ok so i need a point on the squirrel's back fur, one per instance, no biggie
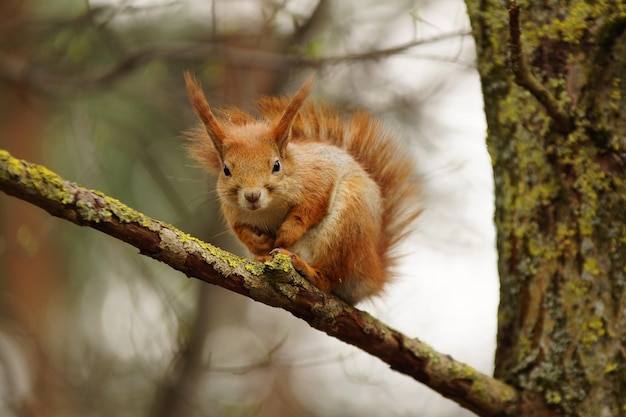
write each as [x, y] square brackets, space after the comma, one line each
[314, 130]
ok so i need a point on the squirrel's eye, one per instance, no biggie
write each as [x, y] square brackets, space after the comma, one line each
[227, 171]
[276, 167]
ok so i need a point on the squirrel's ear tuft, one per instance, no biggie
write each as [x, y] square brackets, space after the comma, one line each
[282, 129]
[200, 105]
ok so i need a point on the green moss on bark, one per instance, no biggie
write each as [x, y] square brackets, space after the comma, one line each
[560, 201]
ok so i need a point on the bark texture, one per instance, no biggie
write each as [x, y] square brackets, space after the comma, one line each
[558, 154]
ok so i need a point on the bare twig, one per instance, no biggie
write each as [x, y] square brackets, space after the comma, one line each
[274, 283]
[47, 82]
[525, 78]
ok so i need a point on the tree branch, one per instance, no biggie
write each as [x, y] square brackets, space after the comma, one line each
[45, 81]
[525, 78]
[274, 283]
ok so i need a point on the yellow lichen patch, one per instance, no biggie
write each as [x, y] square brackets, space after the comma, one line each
[233, 260]
[591, 265]
[88, 212]
[569, 28]
[461, 370]
[13, 166]
[596, 324]
[615, 96]
[579, 287]
[126, 214]
[565, 239]
[227, 257]
[497, 20]
[553, 397]
[525, 349]
[255, 268]
[279, 262]
[36, 179]
[593, 330]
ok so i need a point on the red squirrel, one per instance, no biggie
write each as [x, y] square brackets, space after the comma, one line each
[336, 196]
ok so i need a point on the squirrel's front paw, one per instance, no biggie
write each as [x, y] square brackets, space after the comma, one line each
[289, 233]
[281, 251]
[258, 242]
[276, 251]
[262, 243]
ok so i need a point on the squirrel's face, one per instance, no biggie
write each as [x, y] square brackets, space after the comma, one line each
[252, 172]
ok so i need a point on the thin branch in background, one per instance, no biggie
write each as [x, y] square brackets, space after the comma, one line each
[303, 30]
[46, 82]
[378, 54]
[525, 78]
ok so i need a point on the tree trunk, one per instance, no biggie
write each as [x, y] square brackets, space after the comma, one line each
[556, 112]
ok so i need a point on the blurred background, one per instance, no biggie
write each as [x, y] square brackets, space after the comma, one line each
[94, 91]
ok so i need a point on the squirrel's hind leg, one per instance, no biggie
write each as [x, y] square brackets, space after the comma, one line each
[313, 275]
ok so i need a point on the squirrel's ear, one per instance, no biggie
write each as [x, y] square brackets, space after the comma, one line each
[281, 130]
[200, 105]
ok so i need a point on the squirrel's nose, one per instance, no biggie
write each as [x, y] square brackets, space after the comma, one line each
[252, 196]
